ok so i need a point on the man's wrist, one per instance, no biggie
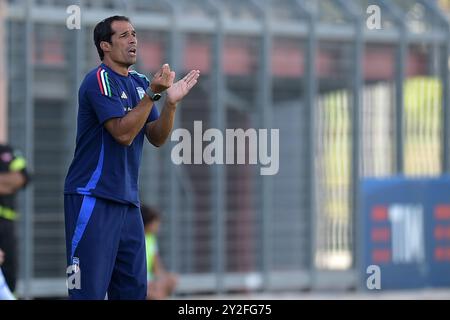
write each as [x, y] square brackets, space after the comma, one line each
[154, 88]
[170, 105]
[154, 96]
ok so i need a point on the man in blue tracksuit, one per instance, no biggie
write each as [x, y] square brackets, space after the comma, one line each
[104, 232]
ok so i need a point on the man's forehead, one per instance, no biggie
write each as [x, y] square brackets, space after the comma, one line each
[121, 26]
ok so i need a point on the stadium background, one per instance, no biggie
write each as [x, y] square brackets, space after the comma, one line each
[350, 103]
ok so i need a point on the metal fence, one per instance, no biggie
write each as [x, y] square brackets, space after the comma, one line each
[350, 102]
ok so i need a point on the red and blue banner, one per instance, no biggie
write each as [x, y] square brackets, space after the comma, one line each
[405, 226]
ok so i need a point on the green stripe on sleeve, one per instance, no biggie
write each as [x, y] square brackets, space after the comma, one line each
[107, 83]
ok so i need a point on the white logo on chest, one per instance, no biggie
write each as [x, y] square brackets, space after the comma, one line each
[141, 92]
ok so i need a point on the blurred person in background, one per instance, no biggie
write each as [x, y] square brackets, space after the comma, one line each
[13, 177]
[5, 292]
[103, 224]
[161, 284]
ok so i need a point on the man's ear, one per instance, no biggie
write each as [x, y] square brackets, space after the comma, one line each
[106, 46]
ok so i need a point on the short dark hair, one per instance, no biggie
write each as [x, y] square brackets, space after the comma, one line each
[149, 215]
[104, 32]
